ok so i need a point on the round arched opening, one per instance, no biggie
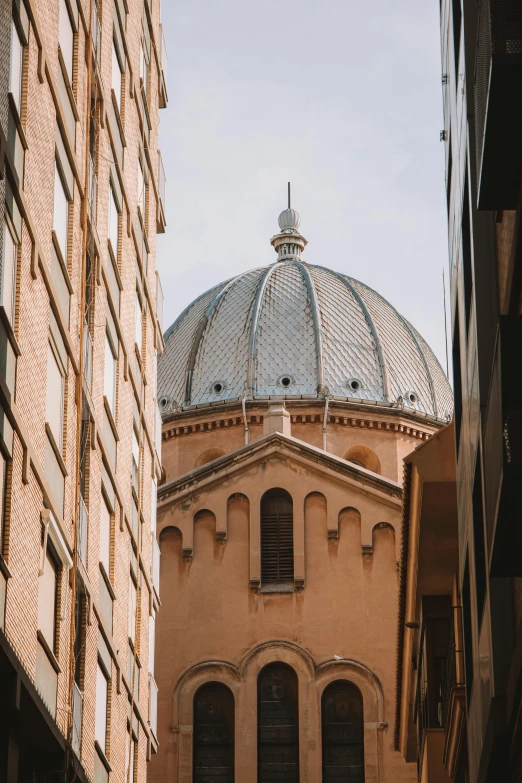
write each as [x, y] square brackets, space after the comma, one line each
[364, 457]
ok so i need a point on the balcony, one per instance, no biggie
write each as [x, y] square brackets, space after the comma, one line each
[161, 220]
[82, 534]
[498, 103]
[163, 96]
[77, 715]
[503, 453]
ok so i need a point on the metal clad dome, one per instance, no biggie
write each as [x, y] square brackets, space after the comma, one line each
[297, 330]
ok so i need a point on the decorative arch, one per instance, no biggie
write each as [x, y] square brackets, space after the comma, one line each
[363, 456]
[208, 456]
[364, 678]
[169, 535]
[192, 679]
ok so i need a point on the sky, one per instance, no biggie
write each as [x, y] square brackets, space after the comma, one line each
[341, 98]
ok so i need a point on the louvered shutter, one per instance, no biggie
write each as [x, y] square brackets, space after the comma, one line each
[277, 538]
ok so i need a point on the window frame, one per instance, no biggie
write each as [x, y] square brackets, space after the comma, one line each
[114, 223]
[63, 226]
[101, 673]
[9, 239]
[49, 557]
[19, 50]
[117, 86]
[110, 385]
[53, 351]
[66, 45]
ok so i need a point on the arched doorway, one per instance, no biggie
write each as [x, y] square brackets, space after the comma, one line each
[342, 733]
[213, 760]
[277, 725]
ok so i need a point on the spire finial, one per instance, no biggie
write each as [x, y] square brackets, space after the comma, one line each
[289, 243]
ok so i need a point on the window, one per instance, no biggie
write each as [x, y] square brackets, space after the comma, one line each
[15, 74]
[102, 695]
[9, 266]
[342, 733]
[138, 327]
[277, 724]
[66, 39]
[47, 595]
[80, 639]
[130, 757]
[154, 505]
[214, 734]
[109, 376]
[152, 641]
[55, 396]
[141, 188]
[3, 490]
[105, 537]
[113, 223]
[135, 461]
[132, 609]
[61, 213]
[116, 75]
[277, 538]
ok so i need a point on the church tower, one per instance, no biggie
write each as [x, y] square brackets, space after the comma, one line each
[289, 395]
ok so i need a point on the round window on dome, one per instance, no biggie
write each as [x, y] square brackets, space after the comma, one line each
[164, 403]
[285, 381]
[411, 398]
[218, 387]
[354, 384]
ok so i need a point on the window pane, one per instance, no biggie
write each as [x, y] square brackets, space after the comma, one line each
[152, 642]
[61, 213]
[109, 381]
[141, 188]
[138, 325]
[15, 76]
[3, 475]
[116, 76]
[9, 273]
[154, 506]
[113, 223]
[100, 731]
[66, 39]
[47, 601]
[105, 536]
[132, 608]
[54, 407]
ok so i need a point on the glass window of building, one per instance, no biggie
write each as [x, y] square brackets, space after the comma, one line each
[113, 223]
[9, 266]
[109, 376]
[116, 75]
[66, 39]
[138, 331]
[47, 594]
[61, 214]
[102, 694]
[55, 396]
[15, 74]
[105, 537]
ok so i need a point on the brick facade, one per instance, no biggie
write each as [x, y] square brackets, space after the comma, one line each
[55, 491]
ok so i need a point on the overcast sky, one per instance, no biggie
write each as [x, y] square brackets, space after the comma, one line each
[343, 99]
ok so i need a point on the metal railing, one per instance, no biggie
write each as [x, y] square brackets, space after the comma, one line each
[83, 525]
[77, 715]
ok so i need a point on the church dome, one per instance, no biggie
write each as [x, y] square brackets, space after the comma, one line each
[295, 330]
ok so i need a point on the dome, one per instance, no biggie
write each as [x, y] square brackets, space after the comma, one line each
[298, 331]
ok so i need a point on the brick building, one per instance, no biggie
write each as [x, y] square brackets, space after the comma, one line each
[82, 198]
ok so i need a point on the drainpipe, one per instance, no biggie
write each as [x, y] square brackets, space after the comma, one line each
[243, 403]
[325, 421]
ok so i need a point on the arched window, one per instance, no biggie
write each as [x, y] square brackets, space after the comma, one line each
[277, 725]
[342, 729]
[213, 734]
[277, 537]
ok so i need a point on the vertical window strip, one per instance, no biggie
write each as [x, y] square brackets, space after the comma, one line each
[5, 521]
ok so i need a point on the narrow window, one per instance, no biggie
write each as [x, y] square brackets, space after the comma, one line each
[55, 397]
[109, 378]
[105, 537]
[141, 189]
[102, 695]
[277, 538]
[132, 609]
[479, 546]
[277, 725]
[113, 224]
[131, 746]
[342, 733]
[152, 641]
[135, 461]
[116, 75]
[66, 39]
[15, 74]
[61, 214]
[138, 327]
[3, 492]
[47, 599]
[9, 273]
[213, 734]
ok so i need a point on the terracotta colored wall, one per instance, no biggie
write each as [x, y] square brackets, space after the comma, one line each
[214, 626]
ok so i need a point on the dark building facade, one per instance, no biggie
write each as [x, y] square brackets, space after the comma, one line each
[482, 96]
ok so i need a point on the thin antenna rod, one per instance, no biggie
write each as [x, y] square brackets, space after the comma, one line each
[445, 323]
[289, 204]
